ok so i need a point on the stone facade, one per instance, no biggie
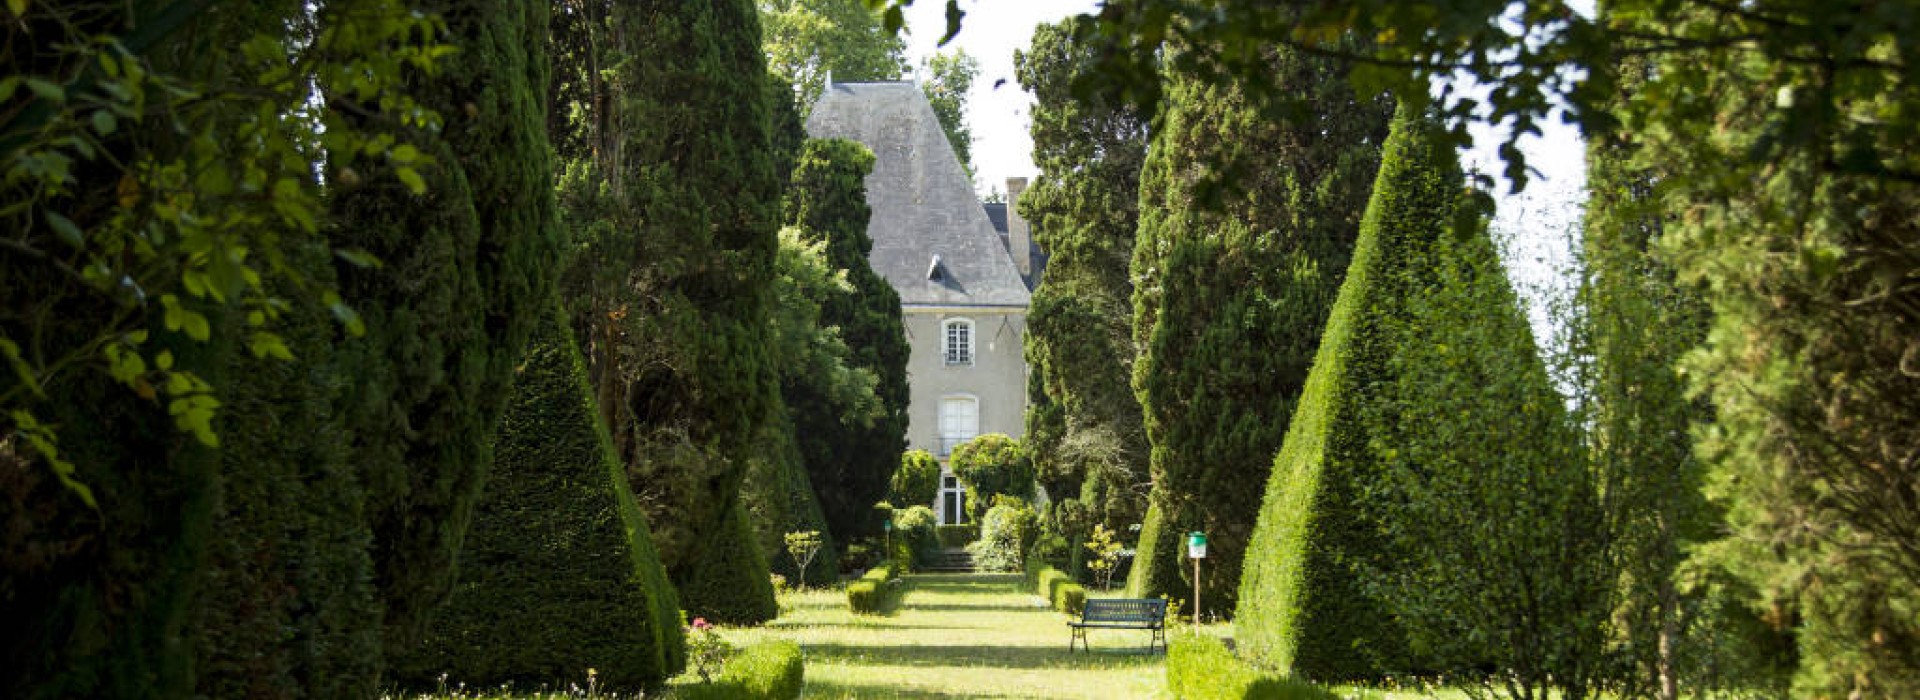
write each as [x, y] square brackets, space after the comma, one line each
[963, 296]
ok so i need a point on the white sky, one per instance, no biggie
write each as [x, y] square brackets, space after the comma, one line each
[1538, 224]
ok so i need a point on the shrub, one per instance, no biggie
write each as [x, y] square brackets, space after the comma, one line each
[1069, 598]
[952, 536]
[917, 482]
[558, 571]
[1004, 534]
[1199, 667]
[914, 527]
[731, 582]
[871, 594]
[992, 465]
[770, 670]
[780, 499]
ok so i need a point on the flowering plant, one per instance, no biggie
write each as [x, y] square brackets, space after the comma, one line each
[705, 648]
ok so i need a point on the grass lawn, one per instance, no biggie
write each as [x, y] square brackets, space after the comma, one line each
[958, 636]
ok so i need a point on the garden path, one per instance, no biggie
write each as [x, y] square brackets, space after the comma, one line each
[958, 636]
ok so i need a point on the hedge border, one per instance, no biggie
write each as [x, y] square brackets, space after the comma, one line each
[770, 670]
[874, 592]
[1200, 667]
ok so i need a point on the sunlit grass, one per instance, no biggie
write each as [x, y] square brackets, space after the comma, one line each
[958, 636]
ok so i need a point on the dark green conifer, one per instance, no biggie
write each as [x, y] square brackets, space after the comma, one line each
[1249, 206]
[850, 458]
[559, 573]
[1084, 430]
[465, 268]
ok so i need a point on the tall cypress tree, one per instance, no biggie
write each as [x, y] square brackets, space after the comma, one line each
[1249, 206]
[465, 266]
[850, 458]
[673, 197]
[1084, 427]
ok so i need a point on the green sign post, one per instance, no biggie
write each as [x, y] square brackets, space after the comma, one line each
[1197, 550]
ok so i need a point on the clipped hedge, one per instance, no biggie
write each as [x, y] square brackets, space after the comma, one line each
[731, 583]
[1199, 667]
[1058, 588]
[1425, 482]
[954, 536]
[770, 670]
[559, 572]
[871, 594]
[1005, 533]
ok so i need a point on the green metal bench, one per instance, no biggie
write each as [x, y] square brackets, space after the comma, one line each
[1121, 613]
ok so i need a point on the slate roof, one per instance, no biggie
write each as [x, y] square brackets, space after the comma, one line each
[923, 204]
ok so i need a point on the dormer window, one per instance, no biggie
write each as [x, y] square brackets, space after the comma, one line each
[959, 338]
[936, 271]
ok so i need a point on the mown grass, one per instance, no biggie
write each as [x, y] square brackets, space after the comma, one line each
[958, 636]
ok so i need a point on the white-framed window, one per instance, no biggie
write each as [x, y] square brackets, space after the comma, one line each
[959, 422]
[959, 341]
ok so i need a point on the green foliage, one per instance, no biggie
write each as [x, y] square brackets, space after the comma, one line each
[466, 272]
[213, 274]
[805, 40]
[851, 447]
[1058, 589]
[917, 481]
[671, 194]
[730, 582]
[992, 465]
[1083, 422]
[803, 547]
[1106, 555]
[1248, 214]
[1800, 220]
[1430, 480]
[779, 499]
[1680, 628]
[559, 571]
[873, 593]
[915, 527]
[769, 670]
[947, 80]
[958, 535]
[1006, 533]
[1199, 667]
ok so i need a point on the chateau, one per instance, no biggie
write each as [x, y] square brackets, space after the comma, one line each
[964, 271]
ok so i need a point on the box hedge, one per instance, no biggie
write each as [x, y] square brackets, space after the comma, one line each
[770, 670]
[1058, 588]
[872, 593]
[730, 583]
[957, 536]
[1200, 667]
[559, 572]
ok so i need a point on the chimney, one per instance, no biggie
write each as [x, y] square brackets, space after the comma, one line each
[1019, 236]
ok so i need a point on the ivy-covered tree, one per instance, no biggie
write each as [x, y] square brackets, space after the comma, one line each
[1248, 213]
[1084, 429]
[948, 80]
[1431, 510]
[808, 40]
[850, 449]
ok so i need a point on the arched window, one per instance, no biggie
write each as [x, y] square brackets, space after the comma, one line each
[959, 340]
